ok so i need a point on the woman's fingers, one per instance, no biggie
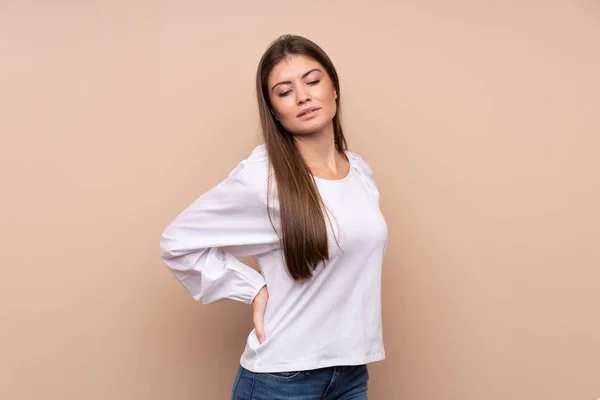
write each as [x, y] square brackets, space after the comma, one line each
[259, 306]
[260, 331]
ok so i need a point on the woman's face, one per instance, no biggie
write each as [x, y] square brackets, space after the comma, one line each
[302, 95]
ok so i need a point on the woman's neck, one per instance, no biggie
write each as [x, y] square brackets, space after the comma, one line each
[321, 154]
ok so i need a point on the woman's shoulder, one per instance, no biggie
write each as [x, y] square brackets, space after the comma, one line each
[362, 166]
[257, 161]
[358, 162]
[253, 169]
[258, 154]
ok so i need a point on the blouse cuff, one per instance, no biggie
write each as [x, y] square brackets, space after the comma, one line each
[251, 281]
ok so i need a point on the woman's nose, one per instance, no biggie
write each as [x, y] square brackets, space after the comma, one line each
[302, 96]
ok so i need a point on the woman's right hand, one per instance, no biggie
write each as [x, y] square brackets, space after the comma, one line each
[259, 306]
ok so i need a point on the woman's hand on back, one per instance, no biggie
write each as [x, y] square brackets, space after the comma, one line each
[259, 306]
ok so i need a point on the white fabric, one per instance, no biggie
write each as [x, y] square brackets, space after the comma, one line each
[333, 319]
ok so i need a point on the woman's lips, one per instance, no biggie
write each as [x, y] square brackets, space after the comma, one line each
[308, 112]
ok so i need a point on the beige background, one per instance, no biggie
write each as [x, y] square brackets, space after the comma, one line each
[480, 120]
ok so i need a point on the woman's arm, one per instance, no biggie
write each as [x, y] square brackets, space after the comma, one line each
[202, 245]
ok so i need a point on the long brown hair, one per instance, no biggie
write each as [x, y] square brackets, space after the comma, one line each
[302, 217]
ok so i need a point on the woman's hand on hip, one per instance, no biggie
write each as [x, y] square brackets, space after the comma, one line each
[259, 306]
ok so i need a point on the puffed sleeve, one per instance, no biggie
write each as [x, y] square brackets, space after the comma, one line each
[202, 245]
[358, 162]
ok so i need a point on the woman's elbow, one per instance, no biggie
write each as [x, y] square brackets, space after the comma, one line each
[168, 246]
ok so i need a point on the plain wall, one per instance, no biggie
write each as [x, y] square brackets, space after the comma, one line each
[480, 121]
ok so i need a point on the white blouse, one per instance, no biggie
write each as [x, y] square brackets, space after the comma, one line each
[332, 319]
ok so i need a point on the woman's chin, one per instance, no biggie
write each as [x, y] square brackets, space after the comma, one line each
[312, 127]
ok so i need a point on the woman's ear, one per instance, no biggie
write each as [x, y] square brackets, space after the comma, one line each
[335, 94]
[274, 115]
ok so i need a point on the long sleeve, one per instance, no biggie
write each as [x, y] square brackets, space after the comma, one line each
[202, 245]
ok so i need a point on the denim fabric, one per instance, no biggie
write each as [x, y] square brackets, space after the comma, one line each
[333, 383]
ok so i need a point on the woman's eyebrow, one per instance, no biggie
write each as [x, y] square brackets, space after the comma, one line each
[289, 82]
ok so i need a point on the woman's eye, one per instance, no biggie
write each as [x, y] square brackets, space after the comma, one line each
[285, 93]
[314, 82]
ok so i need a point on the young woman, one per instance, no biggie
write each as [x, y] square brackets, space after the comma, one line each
[308, 209]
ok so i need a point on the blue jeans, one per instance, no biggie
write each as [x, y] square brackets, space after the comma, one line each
[333, 383]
